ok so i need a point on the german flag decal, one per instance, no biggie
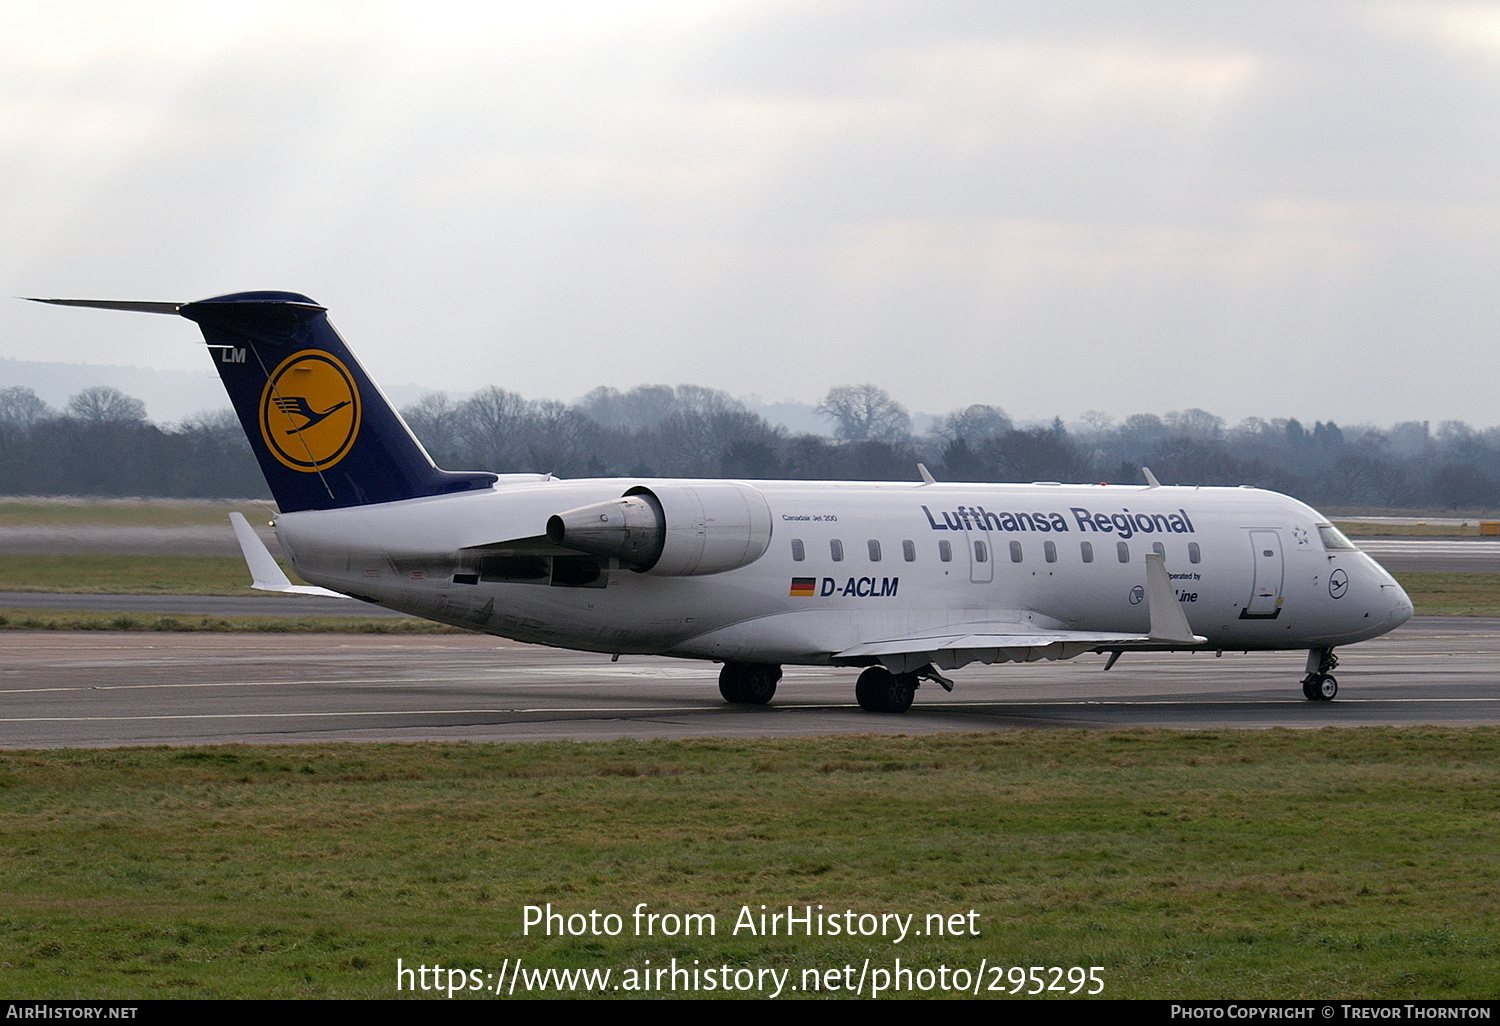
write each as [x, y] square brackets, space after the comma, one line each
[804, 587]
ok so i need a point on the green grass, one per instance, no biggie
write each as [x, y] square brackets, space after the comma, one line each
[1315, 864]
[65, 512]
[114, 574]
[1452, 594]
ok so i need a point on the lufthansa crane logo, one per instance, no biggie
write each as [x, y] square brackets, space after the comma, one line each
[1338, 583]
[309, 411]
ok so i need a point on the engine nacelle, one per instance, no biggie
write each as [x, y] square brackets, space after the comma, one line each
[676, 530]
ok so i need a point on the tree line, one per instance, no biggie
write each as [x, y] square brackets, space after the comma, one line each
[102, 444]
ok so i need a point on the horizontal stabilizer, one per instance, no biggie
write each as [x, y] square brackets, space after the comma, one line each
[132, 306]
[265, 574]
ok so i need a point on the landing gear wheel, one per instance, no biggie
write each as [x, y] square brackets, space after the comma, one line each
[748, 683]
[1327, 688]
[1320, 687]
[880, 690]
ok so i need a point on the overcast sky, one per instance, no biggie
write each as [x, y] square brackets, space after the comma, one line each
[1271, 209]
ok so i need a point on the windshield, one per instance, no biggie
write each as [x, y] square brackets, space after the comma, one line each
[1333, 538]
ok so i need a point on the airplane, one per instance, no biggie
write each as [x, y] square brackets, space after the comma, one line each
[901, 580]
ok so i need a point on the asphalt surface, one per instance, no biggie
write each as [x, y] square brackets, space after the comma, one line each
[90, 689]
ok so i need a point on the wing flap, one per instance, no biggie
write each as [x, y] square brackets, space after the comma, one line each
[990, 637]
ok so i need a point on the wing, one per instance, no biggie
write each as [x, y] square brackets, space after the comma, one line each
[954, 645]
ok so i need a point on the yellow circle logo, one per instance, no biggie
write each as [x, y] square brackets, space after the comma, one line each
[309, 411]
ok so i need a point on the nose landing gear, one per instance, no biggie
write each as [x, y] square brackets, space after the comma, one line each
[1320, 685]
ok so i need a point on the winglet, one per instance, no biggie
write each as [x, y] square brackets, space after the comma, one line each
[1151, 481]
[265, 574]
[927, 477]
[1168, 621]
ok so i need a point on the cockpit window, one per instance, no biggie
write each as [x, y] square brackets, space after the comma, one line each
[1333, 538]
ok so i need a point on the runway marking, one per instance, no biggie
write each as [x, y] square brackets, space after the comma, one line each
[655, 710]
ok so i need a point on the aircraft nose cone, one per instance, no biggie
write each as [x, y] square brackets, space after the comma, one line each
[1401, 608]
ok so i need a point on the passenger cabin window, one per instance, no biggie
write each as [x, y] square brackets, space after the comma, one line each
[1195, 554]
[1015, 552]
[909, 551]
[799, 552]
[874, 551]
[1123, 550]
[1087, 551]
[836, 550]
[981, 553]
[1049, 551]
[945, 551]
[1159, 549]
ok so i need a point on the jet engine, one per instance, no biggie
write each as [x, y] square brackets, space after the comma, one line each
[672, 529]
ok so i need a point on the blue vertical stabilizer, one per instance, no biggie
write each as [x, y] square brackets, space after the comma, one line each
[325, 436]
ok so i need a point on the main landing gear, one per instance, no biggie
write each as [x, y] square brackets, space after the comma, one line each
[1319, 685]
[748, 683]
[880, 690]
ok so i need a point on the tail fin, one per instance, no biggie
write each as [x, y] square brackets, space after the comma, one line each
[324, 434]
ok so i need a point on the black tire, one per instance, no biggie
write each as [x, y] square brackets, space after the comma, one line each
[903, 690]
[871, 688]
[879, 690]
[1327, 688]
[730, 678]
[758, 683]
[1320, 687]
[748, 683]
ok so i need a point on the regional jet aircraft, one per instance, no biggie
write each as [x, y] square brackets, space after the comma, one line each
[903, 580]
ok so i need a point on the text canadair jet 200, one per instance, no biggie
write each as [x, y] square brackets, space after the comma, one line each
[903, 579]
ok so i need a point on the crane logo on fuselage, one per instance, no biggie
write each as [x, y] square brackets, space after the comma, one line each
[310, 411]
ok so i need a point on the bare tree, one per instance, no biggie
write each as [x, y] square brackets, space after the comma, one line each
[973, 424]
[21, 407]
[863, 413]
[436, 421]
[102, 404]
[493, 422]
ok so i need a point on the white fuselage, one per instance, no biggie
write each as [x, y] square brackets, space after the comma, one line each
[855, 563]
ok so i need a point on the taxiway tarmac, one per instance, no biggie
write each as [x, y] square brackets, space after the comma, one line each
[90, 689]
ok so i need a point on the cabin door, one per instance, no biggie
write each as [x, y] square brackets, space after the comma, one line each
[1265, 592]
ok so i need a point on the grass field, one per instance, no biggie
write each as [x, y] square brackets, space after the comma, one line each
[115, 574]
[1348, 863]
[64, 512]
